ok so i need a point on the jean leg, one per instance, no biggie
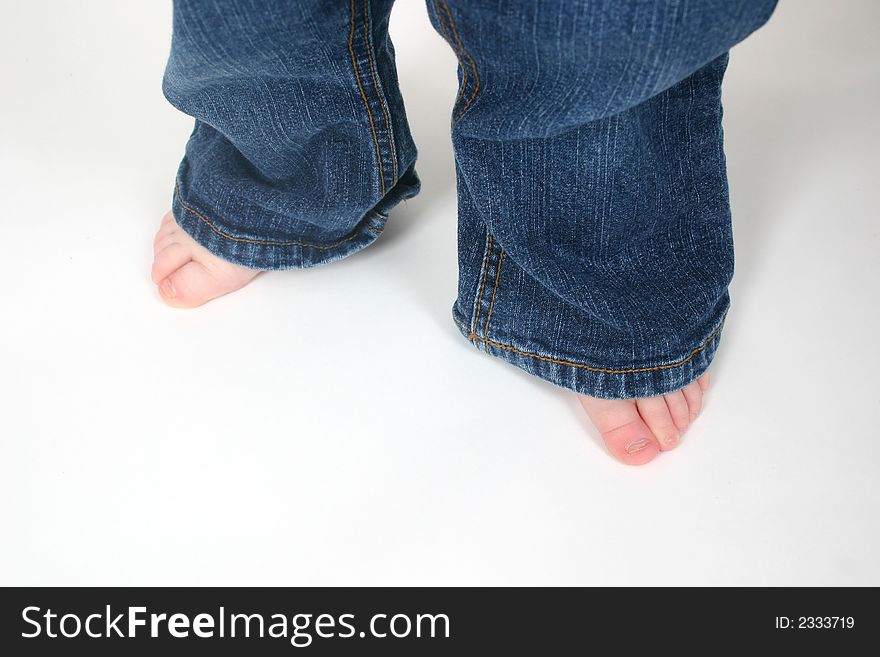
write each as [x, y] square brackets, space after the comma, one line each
[300, 146]
[595, 243]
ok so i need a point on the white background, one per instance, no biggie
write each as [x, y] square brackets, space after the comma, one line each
[331, 427]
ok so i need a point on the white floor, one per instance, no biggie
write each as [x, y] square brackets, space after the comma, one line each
[331, 427]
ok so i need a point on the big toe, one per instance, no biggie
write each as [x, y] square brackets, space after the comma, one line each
[191, 285]
[187, 274]
[626, 435]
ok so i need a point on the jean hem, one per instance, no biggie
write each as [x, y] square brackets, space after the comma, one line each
[270, 255]
[643, 380]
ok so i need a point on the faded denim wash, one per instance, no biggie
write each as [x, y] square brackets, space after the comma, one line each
[595, 242]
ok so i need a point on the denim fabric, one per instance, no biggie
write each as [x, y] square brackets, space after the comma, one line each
[300, 146]
[595, 241]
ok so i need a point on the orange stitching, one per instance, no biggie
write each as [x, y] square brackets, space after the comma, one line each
[448, 38]
[213, 227]
[470, 59]
[378, 95]
[364, 98]
[602, 370]
[492, 302]
[483, 286]
[378, 231]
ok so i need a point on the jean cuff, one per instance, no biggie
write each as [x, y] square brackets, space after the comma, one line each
[586, 377]
[265, 253]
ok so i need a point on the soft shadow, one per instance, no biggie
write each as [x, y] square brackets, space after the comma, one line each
[795, 92]
[798, 94]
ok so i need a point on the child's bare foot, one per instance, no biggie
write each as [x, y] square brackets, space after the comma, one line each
[187, 274]
[636, 430]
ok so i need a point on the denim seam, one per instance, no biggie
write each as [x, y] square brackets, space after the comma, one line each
[364, 98]
[478, 302]
[464, 68]
[379, 95]
[248, 240]
[494, 290]
[635, 370]
[470, 59]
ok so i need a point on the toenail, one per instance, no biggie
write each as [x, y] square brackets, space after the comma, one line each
[167, 289]
[636, 446]
[670, 440]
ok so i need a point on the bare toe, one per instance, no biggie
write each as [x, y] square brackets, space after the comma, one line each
[704, 381]
[693, 393]
[188, 286]
[636, 430]
[172, 257]
[187, 274]
[626, 436]
[678, 409]
[655, 413]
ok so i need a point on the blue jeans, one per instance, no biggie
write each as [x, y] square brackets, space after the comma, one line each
[595, 245]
